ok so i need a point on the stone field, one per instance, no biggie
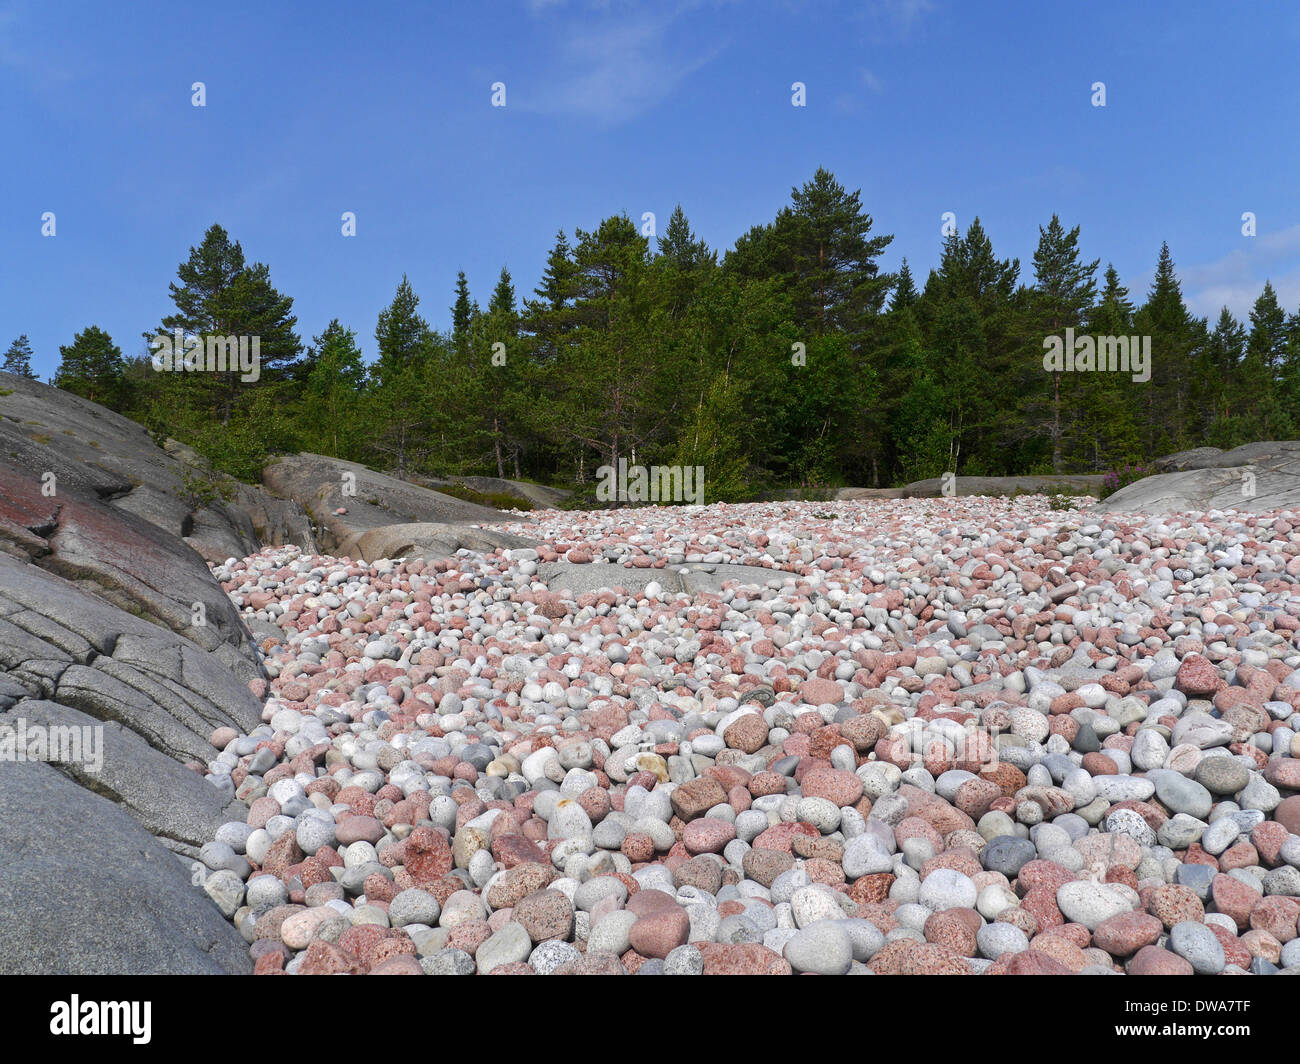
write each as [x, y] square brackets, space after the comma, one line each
[956, 735]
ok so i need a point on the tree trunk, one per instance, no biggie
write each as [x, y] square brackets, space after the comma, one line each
[1056, 423]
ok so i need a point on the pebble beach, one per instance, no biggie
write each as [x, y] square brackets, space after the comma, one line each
[967, 736]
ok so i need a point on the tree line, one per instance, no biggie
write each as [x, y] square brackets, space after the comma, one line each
[793, 359]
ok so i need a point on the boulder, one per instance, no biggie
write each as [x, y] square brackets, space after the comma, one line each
[117, 643]
[117, 557]
[1255, 477]
[693, 578]
[1179, 460]
[425, 540]
[91, 449]
[541, 496]
[86, 890]
[60, 643]
[369, 500]
[1065, 484]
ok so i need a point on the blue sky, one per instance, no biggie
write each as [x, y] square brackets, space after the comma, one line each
[927, 106]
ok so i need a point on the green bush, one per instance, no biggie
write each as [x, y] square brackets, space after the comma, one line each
[1123, 477]
[498, 500]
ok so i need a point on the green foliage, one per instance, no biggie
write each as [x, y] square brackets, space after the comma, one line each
[1123, 477]
[197, 489]
[91, 367]
[794, 359]
[332, 397]
[500, 500]
[18, 359]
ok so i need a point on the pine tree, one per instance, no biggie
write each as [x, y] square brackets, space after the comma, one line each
[1173, 360]
[1225, 352]
[680, 247]
[462, 311]
[1112, 403]
[401, 395]
[973, 310]
[221, 296]
[91, 366]
[821, 246]
[905, 293]
[335, 377]
[1259, 404]
[18, 359]
[1064, 294]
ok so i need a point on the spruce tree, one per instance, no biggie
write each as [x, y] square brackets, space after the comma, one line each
[1288, 389]
[609, 393]
[18, 359]
[1065, 288]
[402, 396]
[680, 246]
[501, 372]
[1112, 408]
[91, 366]
[905, 293]
[503, 295]
[1225, 353]
[462, 311]
[973, 309]
[1173, 334]
[335, 377]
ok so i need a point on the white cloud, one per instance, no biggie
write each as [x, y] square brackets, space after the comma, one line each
[904, 13]
[1236, 279]
[894, 19]
[28, 54]
[612, 68]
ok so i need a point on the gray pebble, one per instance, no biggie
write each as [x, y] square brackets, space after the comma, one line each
[509, 945]
[684, 960]
[995, 939]
[824, 948]
[413, 906]
[448, 962]
[550, 955]
[1197, 945]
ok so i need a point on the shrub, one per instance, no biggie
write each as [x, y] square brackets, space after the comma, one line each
[498, 500]
[1122, 478]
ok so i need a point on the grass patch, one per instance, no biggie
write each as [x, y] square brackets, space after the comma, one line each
[497, 500]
